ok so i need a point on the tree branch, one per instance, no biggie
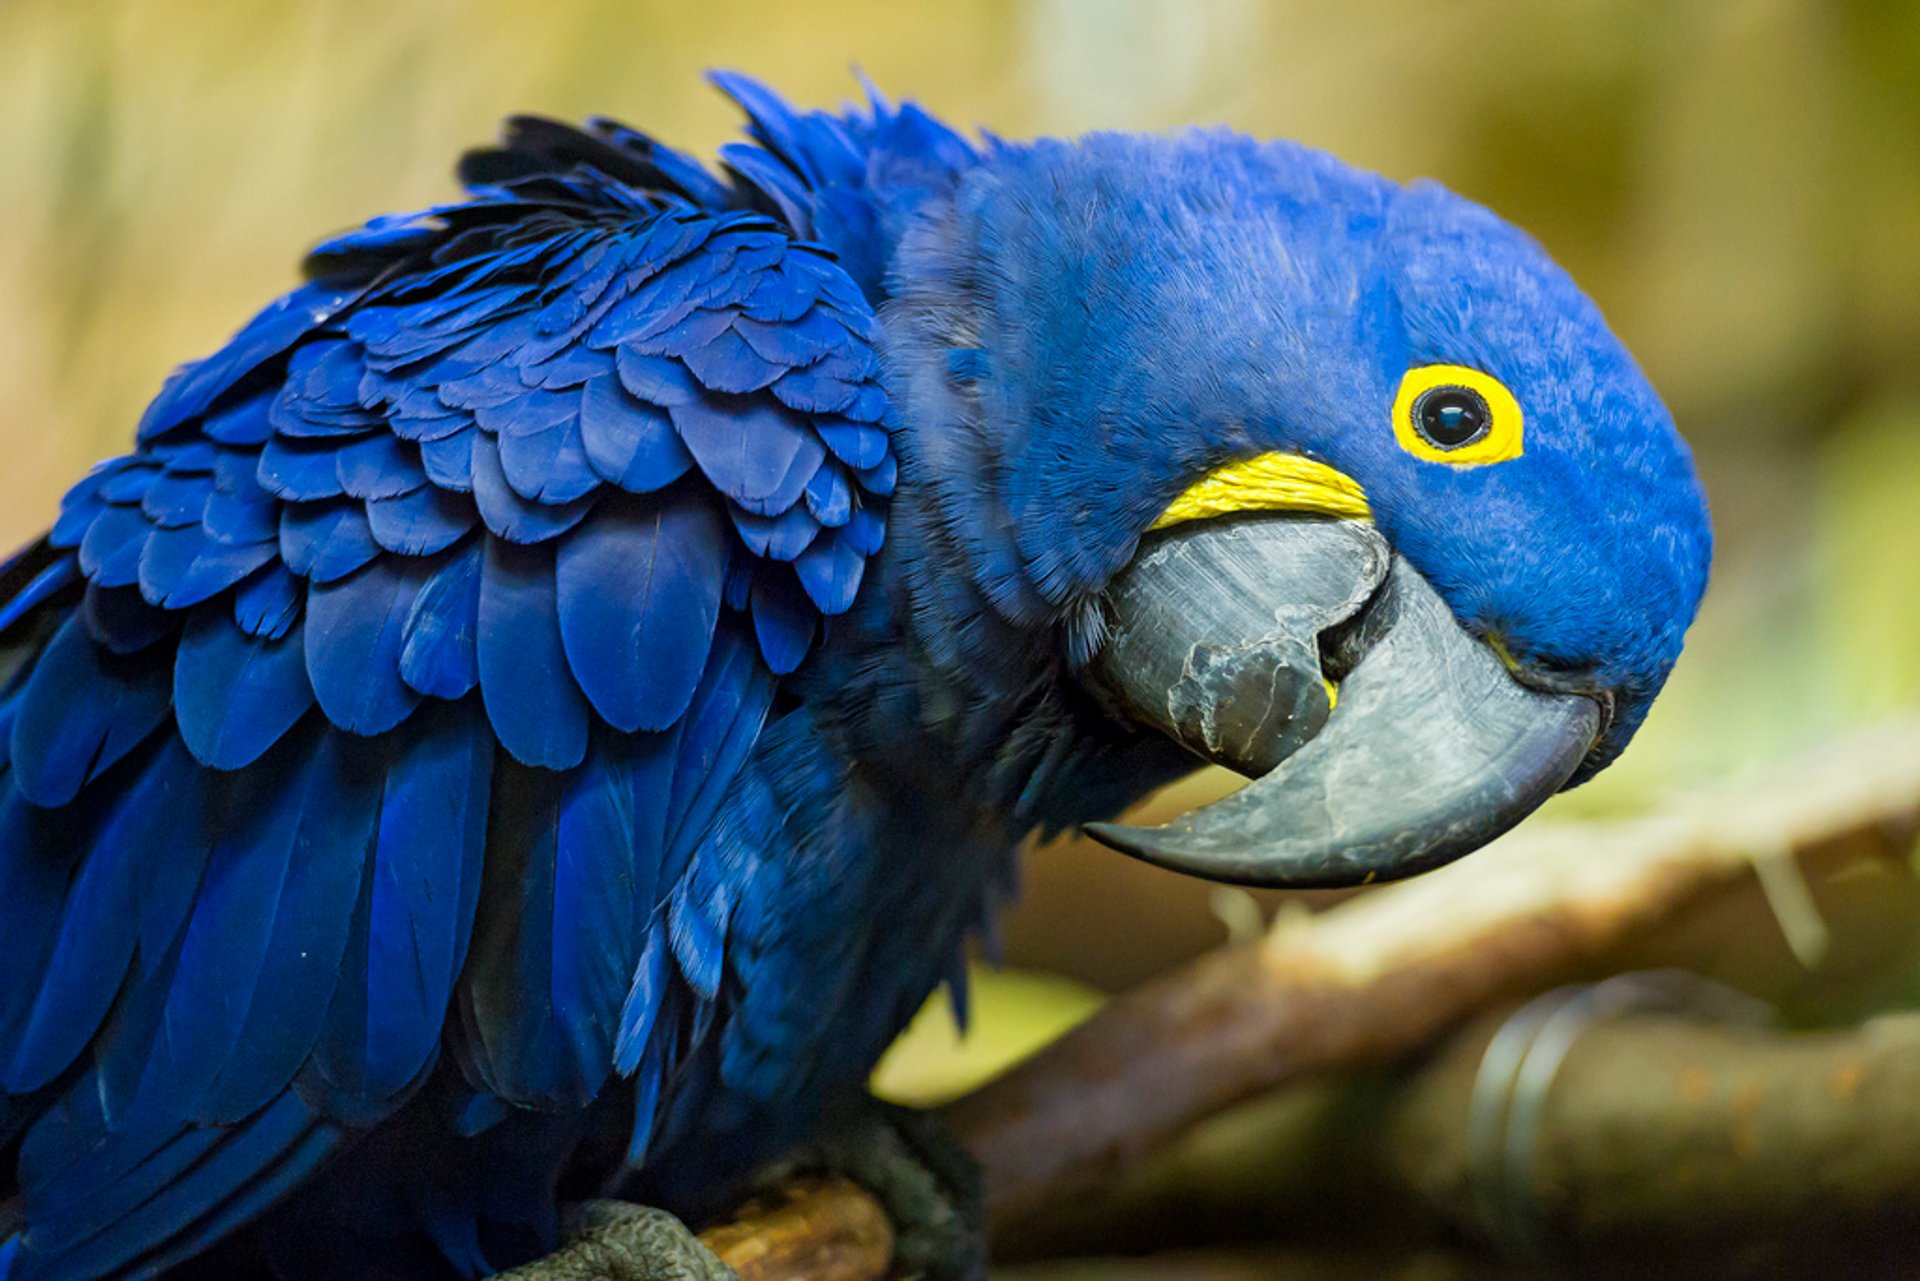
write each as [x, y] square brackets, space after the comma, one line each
[1660, 1132]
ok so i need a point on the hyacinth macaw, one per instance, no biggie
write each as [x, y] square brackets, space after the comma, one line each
[548, 700]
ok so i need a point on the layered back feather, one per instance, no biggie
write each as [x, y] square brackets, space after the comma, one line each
[379, 699]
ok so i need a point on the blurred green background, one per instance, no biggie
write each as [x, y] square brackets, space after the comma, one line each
[1736, 181]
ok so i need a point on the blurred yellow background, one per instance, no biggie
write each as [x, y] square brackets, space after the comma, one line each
[1737, 183]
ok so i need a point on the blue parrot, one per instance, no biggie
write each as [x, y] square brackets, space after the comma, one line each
[543, 705]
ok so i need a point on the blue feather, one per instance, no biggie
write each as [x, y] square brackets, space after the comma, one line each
[110, 551]
[529, 412]
[424, 880]
[773, 181]
[530, 695]
[813, 391]
[237, 694]
[269, 603]
[488, 387]
[440, 655]
[866, 530]
[379, 466]
[719, 731]
[793, 342]
[780, 296]
[322, 542]
[879, 480]
[830, 571]
[754, 452]
[860, 446]
[772, 122]
[641, 1010]
[80, 506]
[629, 443]
[506, 1002]
[300, 966]
[784, 620]
[174, 500]
[355, 632]
[193, 389]
[638, 590]
[127, 483]
[550, 466]
[245, 423]
[830, 495]
[82, 709]
[726, 363]
[595, 907]
[122, 620]
[686, 334]
[512, 518]
[658, 380]
[185, 455]
[421, 523]
[34, 875]
[781, 537]
[260, 1173]
[698, 932]
[179, 568]
[301, 470]
[250, 516]
[258, 958]
[448, 460]
[157, 822]
[570, 367]
[151, 1196]
[45, 585]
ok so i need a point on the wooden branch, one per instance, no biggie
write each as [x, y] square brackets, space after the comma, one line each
[1388, 971]
[1662, 1133]
[818, 1229]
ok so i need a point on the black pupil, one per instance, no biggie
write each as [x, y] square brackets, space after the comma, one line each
[1450, 417]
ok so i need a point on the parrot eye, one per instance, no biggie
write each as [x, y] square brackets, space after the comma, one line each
[1456, 415]
[1450, 417]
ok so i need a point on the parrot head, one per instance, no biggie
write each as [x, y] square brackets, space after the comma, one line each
[1339, 483]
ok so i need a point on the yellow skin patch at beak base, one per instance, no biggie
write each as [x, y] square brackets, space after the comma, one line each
[1269, 482]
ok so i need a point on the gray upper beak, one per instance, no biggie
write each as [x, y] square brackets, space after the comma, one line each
[1433, 748]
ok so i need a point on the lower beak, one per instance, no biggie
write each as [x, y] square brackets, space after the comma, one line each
[1223, 635]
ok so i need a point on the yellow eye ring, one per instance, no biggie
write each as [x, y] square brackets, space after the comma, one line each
[1455, 415]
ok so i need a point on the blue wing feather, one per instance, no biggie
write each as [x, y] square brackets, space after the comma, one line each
[355, 634]
[423, 881]
[120, 619]
[157, 826]
[638, 592]
[269, 603]
[440, 655]
[629, 443]
[536, 709]
[512, 476]
[299, 967]
[81, 711]
[235, 694]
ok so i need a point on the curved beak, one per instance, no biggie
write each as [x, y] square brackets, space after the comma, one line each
[1224, 636]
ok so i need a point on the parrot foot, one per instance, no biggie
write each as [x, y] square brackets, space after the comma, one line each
[618, 1241]
[929, 1186]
